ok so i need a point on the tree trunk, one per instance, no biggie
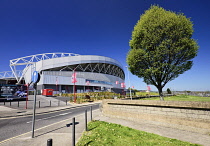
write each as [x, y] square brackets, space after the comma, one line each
[160, 93]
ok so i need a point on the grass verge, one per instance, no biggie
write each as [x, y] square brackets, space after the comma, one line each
[107, 134]
[181, 98]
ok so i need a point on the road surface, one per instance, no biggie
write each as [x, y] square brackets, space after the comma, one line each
[12, 127]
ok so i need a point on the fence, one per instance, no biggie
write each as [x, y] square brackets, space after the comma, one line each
[29, 104]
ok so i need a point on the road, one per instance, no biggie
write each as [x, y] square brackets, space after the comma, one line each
[12, 127]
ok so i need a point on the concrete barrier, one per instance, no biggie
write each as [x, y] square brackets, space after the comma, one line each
[185, 115]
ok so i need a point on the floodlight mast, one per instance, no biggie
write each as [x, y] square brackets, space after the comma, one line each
[129, 82]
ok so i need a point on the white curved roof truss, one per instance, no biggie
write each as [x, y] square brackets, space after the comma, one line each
[30, 60]
[39, 57]
[9, 74]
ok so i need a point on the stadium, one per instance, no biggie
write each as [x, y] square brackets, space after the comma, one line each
[93, 73]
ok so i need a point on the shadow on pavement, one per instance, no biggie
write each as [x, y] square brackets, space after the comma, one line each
[67, 125]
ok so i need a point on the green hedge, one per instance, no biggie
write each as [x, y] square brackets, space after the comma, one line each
[93, 96]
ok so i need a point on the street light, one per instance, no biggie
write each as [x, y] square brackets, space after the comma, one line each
[129, 82]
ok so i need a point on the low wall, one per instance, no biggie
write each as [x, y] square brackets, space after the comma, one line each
[191, 116]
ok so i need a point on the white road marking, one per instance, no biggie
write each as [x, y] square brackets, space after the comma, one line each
[22, 116]
[50, 117]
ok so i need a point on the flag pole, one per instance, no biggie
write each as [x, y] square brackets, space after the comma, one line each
[74, 88]
[56, 86]
[74, 93]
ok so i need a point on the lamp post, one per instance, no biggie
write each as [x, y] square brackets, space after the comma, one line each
[129, 82]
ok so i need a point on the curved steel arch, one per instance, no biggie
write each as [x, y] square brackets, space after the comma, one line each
[38, 57]
[9, 74]
[30, 60]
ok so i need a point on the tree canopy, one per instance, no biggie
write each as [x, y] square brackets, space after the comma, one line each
[161, 47]
[168, 91]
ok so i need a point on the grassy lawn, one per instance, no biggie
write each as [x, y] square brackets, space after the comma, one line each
[107, 134]
[181, 98]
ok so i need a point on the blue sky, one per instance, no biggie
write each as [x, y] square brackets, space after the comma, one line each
[96, 27]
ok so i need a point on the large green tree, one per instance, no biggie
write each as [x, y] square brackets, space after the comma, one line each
[161, 47]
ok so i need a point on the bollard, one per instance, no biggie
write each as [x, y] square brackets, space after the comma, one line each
[86, 129]
[50, 103]
[39, 104]
[66, 102]
[10, 102]
[18, 103]
[91, 114]
[4, 102]
[73, 131]
[49, 142]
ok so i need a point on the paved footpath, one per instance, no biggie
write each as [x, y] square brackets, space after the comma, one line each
[62, 135]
